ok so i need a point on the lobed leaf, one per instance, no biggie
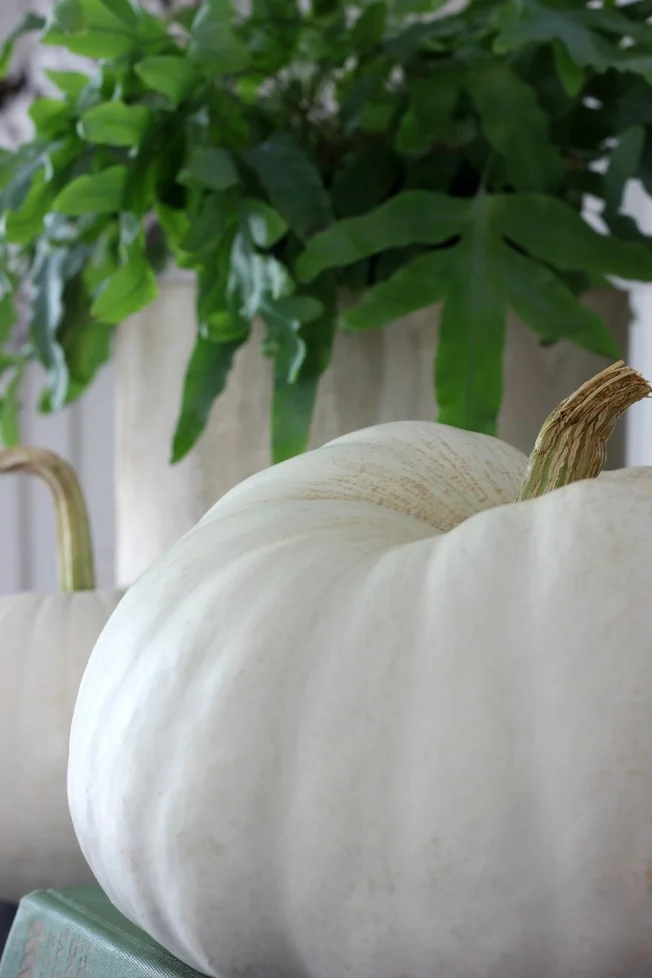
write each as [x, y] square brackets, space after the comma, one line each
[413, 217]
[551, 231]
[422, 282]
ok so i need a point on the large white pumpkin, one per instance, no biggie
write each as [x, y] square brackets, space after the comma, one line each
[373, 719]
[45, 642]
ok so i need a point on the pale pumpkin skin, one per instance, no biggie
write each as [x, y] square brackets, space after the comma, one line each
[370, 720]
[45, 642]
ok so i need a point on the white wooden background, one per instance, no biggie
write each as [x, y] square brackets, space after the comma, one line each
[84, 433]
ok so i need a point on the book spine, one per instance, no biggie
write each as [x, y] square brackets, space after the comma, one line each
[41, 945]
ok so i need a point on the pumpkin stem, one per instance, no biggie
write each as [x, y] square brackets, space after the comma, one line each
[572, 442]
[74, 547]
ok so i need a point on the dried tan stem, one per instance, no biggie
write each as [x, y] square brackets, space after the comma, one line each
[572, 442]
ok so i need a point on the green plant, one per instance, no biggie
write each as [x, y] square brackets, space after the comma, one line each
[287, 155]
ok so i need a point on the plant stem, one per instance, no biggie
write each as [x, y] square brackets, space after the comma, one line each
[74, 546]
[572, 442]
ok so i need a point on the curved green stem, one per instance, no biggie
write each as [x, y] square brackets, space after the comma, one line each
[74, 546]
[572, 443]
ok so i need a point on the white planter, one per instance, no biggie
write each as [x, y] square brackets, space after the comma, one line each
[385, 375]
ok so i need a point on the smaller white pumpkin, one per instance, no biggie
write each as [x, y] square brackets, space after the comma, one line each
[45, 642]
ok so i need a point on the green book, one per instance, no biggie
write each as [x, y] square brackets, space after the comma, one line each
[78, 933]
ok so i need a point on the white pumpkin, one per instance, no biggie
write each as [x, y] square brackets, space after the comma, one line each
[373, 718]
[45, 642]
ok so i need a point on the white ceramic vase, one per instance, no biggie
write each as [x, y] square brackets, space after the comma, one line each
[384, 375]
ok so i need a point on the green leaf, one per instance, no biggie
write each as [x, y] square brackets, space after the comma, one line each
[71, 83]
[422, 282]
[206, 378]
[294, 402]
[25, 224]
[176, 225]
[548, 229]
[214, 42]
[169, 74]
[432, 103]
[18, 172]
[218, 317]
[293, 183]
[10, 410]
[115, 124]
[469, 358]
[127, 291]
[369, 28]
[403, 8]
[29, 23]
[95, 193]
[8, 316]
[215, 216]
[265, 225]
[365, 180]
[535, 23]
[89, 28]
[413, 217]
[67, 16]
[515, 126]
[210, 166]
[47, 309]
[51, 117]
[422, 36]
[623, 164]
[549, 308]
[124, 10]
[86, 344]
[153, 164]
[570, 74]
[377, 114]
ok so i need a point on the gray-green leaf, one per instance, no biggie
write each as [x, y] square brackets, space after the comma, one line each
[264, 224]
[47, 311]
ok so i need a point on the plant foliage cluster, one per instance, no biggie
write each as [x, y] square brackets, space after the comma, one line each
[387, 148]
